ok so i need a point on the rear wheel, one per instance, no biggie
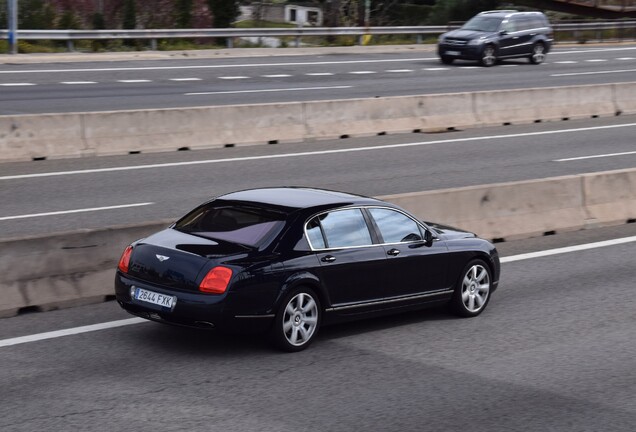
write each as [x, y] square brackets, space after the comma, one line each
[297, 320]
[472, 291]
[446, 60]
[488, 56]
[538, 53]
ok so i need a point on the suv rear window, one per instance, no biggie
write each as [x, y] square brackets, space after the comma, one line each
[236, 223]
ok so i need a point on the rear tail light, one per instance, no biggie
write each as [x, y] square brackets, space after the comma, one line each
[216, 281]
[124, 261]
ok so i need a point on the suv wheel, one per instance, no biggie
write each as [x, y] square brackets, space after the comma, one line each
[538, 53]
[488, 56]
[446, 60]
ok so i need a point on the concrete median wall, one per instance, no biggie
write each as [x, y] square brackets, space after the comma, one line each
[70, 269]
[24, 137]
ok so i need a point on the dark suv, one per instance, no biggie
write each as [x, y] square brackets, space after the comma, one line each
[498, 34]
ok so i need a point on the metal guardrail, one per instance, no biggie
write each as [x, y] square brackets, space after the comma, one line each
[295, 32]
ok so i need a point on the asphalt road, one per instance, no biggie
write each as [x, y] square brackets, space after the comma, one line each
[554, 351]
[44, 197]
[137, 84]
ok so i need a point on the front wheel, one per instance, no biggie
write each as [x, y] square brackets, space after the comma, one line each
[297, 320]
[538, 54]
[446, 60]
[472, 291]
[488, 56]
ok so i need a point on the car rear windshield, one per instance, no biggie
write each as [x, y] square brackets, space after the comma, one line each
[243, 224]
[483, 23]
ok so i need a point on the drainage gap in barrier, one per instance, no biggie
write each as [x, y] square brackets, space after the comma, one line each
[183, 149]
[538, 121]
[134, 152]
[417, 130]
[549, 233]
[617, 113]
[498, 240]
[272, 142]
[565, 118]
[451, 129]
[595, 116]
[381, 133]
[28, 310]
[109, 297]
[230, 145]
[41, 158]
[631, 221]
[507, 124]
[345, 136]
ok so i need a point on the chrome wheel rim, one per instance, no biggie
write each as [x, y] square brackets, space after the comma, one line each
[538, 54]
[489, 56]
[475, 288]
[300, 319]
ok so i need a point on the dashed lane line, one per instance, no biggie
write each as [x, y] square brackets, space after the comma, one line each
[64, 212]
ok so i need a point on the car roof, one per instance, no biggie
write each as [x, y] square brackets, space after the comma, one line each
[296, 198]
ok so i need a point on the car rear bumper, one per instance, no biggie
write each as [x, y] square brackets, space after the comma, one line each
[195, 310]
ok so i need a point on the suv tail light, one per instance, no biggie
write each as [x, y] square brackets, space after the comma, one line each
[216, 281]
[124, 261]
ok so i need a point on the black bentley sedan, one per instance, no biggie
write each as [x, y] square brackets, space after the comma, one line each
[289, 260]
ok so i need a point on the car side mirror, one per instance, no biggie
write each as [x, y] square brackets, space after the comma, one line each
[428, 238]
[503, 32]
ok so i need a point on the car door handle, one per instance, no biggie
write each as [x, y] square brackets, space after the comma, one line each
[328, 258]
[393, 252]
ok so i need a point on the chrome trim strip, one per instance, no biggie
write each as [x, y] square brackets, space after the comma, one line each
[393, 300]
[255, 316]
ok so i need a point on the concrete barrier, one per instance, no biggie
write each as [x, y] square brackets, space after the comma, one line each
[503, 210]
[540, 104]
[24, 137]
[63, 270]
[70, 269]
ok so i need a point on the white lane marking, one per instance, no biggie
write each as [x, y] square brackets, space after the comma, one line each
[78, 82]
[399, 70]
[233, 77]
[594, 156]
[185, 79]
[320, 63]
[132, 321]
[17, 84]
[626, 58]
[362, 72]
[565, 62]
[314, 153]
[71, 331]
[436, 69]
[84, 210]
[267, 90]
[471, 67]
[591, 50]
[276, 76]
[596, 60]
[510, 65]
[132, 81]
[568, 249]
[594, 73]
[319, 74]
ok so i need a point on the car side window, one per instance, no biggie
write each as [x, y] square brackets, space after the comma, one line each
[395, 227]
[509, 27]
[314, 234]
[341, 228]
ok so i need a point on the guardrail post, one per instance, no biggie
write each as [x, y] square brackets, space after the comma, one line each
[297, 41]
[153, 44]
[419, 39]
[69, 45]
[229, 42]
[361, 40]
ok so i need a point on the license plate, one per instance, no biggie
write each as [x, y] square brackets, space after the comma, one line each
[154, 298]
[453, 53]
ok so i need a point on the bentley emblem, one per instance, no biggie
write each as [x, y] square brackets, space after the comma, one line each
[162, 258]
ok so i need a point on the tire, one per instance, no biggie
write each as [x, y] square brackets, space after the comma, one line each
[488, 56]
[446, 60]
[297, 320]
[472, 291]
[538, 53]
